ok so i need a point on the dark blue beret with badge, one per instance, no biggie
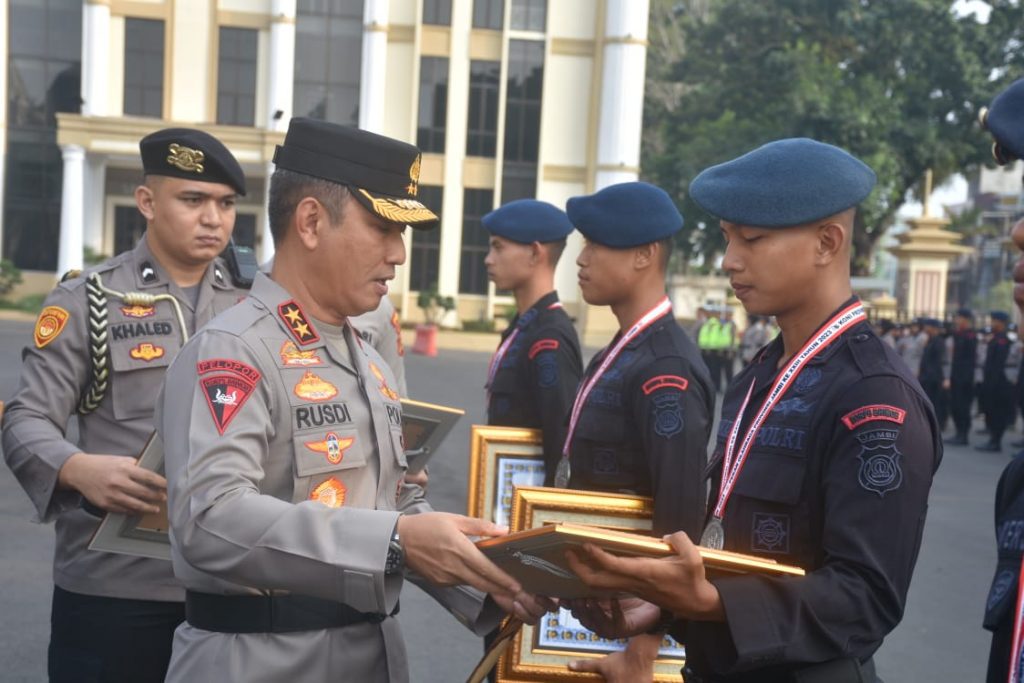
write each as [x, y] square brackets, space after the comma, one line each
[1005, 121]
[625, 215]
[382, 173]
[783, 183]
[527, 221]
[190, 154]
[1001, 316]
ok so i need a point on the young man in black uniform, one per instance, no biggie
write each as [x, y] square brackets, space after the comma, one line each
[825, 456]
[932, 373]
[643, 413]
[961, 375]
[1004, 611]
[996, 389]
[533, 375]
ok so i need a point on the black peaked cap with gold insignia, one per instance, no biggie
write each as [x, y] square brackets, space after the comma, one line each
[191, 154]
[382, 173]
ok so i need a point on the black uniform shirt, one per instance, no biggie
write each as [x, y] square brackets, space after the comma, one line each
[645, 426]
[931, 361]
[837, 483]
[1002, 595]
[536, 381]
[965, 356]
[996, 352]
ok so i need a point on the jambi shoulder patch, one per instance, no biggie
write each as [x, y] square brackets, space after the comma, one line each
[227, 385]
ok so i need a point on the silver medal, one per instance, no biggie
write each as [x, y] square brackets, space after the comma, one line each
[562, 473]
[714, 535]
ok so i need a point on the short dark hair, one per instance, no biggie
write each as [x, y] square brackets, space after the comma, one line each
[287, 189]
[554, 250]
[665, 252]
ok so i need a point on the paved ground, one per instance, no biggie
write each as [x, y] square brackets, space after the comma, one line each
[939, 639]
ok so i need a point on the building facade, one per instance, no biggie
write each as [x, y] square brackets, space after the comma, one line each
[507, 98]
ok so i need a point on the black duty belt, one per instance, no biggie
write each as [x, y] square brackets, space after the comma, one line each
[271, 613]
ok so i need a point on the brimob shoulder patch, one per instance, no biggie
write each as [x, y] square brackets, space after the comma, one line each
[227, 385]
[874, 413]
[667, 414]
[880, 470]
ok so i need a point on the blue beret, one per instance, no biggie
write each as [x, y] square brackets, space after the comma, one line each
[625, 215]
[1005, 120]
[784, 183]
[528, 221]
[190, 154]
[965, 313]
[931, 322]
[1002, 316]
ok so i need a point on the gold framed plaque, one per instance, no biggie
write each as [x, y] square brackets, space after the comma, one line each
[501, 459]
[543, 652]
[144, 535]
[424, 427]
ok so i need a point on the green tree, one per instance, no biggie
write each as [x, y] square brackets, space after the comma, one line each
[896, 82]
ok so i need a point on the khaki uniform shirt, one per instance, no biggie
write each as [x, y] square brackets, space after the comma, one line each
[285, 467]
[57, 369]
[380, 328]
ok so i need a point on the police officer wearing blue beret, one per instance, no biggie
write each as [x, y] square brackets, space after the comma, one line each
[642, 416]
[532, 377]
[996, 396]
[1004, 608]
[101, 347]
[825, 454]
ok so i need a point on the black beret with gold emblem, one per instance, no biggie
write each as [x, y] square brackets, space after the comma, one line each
[382, 173]
[191, 154]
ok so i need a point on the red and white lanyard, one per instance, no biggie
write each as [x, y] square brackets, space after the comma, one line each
[732, 462]
[503, 348]
[1018, 630]
[498, 356]
[662, 307]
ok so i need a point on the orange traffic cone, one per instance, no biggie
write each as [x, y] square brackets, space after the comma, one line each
[426, 340]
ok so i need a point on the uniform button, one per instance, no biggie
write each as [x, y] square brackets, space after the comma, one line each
[861, 337]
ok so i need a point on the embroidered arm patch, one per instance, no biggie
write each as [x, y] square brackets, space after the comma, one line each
[662, 381]
[542, 345]
[49, 325]
[873, 413]
[226, 388]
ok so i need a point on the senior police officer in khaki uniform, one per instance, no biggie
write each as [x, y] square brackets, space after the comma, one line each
[291, 526]
[101, 347]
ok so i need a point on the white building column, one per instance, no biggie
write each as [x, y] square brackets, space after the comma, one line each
[450, 248]
[266, 251]
[373, 70]
[622, 92]
[95, 188]
[95, 57]
[282, 64]
[69, 254]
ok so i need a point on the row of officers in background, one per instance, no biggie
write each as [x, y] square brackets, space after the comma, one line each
[293, 525]
[966, 371]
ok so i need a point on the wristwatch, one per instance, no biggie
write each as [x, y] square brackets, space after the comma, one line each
[664, 622]
[396, 556]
